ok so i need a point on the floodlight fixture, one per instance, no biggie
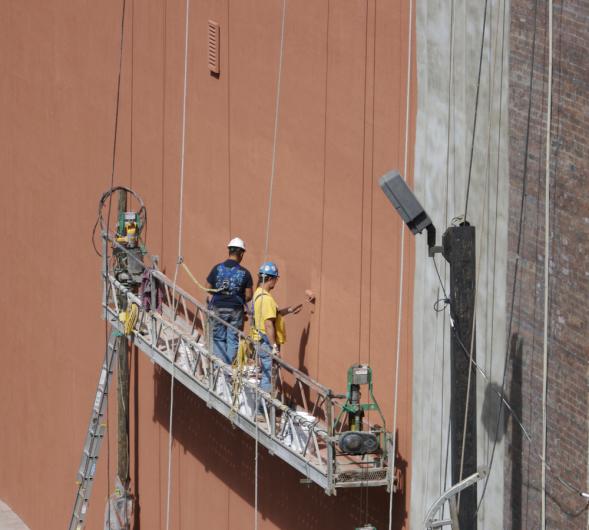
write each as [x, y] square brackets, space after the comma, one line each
[409, 208]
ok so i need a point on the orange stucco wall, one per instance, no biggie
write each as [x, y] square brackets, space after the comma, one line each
[342, 124]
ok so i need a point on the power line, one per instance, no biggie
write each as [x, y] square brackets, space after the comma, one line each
[267, 242]
[546, 267]
[179, 258]
[504, 402]
[392, 459]
[476, 108]
[112, 179]
[518, 248]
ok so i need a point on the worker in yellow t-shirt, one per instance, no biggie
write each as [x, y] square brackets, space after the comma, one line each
[268, 323]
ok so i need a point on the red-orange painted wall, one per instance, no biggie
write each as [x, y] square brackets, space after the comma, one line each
[342, 124]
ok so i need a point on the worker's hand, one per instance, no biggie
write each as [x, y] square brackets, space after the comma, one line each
[275, 349]
[295, 309]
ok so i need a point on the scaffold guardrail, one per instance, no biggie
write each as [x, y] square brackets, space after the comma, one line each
[303, 432]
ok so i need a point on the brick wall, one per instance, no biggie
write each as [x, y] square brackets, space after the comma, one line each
[569, 264]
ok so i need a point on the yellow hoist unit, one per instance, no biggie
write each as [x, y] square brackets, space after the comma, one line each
[129, 259]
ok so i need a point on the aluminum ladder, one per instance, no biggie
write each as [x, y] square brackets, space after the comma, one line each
[96, 431]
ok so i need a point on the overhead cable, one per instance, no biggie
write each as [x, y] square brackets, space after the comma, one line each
[519, 244]
[266, 244]
[179, 258]
[393, 455]
[112, 179]
[546, 266]
[476, 109]
[505, 402]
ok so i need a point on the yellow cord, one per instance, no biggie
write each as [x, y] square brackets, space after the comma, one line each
[129, 318]
[244, 352]
[198, 284]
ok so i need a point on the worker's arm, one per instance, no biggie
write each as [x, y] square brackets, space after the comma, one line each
[291, 309]
[248, 294]
[270, 329]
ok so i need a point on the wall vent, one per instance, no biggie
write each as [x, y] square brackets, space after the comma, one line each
[213, 53]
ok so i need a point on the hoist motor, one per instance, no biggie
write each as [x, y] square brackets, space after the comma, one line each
[357, 441]
[128, 230]
[129, 262]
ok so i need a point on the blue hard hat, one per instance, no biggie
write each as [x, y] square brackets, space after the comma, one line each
[268, 269]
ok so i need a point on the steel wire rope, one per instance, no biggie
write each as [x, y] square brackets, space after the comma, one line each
[499, 138]
[506, 403]
[517, 420]
[476, 110]
[445, 300]
[432, 378]
[520, 424]
[451, 109]
[392, 457]
[492, 67]
[546, 266]
[486, 211]
[178, 260]
[365, 488]
[112, 178]
[266, 246]
[518, 248]
[470, 352]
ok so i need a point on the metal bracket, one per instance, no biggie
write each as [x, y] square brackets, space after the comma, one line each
[448, 495]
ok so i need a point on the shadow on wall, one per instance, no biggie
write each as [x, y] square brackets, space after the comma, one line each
[516, 401]
[228, 453]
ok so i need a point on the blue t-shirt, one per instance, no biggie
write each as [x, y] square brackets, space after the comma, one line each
[233, 279]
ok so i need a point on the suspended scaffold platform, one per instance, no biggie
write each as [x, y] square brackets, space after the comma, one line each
[310, 429]
[305, 436]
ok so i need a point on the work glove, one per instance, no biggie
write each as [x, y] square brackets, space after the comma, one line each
[275, 349]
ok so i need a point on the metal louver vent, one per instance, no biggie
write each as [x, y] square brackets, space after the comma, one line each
[213, 51]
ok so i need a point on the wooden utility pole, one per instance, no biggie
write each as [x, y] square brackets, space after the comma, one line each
[123, 388]
[459, 250]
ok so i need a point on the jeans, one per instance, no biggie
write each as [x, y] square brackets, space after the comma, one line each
[226, 340]
[266, 364]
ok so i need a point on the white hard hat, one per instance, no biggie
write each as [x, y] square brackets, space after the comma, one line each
[237, 242]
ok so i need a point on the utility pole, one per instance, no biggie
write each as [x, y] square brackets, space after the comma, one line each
[123, 387]
[458, 245]
[458, 248]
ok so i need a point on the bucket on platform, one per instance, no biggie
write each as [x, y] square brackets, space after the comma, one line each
[247, 398]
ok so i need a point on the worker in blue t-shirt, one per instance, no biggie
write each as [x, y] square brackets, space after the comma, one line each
[233, 286]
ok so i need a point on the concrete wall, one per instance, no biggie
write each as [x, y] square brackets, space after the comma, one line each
[342, 125]
[448, 48]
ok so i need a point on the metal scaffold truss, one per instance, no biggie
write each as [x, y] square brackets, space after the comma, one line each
[175, 337]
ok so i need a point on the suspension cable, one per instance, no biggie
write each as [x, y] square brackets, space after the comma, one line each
[521, 224]
[546, 265]
[178, 260]
[476, 110]
[392, 457]
[266, 246]
[112, 179]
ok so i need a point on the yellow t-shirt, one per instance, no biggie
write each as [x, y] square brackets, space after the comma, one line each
[265, 308]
